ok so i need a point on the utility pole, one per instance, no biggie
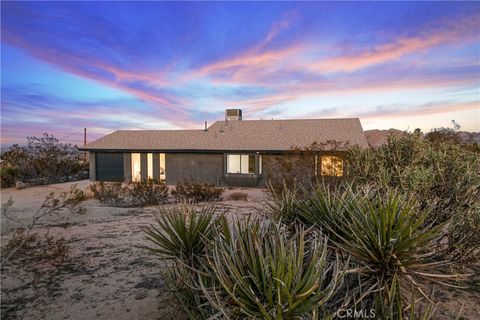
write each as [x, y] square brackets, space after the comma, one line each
[84, 144]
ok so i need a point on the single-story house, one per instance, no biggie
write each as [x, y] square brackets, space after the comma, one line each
[232, 152]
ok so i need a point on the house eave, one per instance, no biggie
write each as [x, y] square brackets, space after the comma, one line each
[208, 151]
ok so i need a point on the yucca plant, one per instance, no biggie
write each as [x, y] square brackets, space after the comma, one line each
[185, 284]
[183, 235]
[263, 273]
[386, 237]
[182, 232]
[284, 203]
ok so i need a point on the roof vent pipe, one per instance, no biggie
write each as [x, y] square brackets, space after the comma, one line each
[206, 129]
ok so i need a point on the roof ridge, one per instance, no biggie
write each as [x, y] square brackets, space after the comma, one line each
[303, 119]
[144, 130]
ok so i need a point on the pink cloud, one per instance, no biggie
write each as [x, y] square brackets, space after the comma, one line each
[451, 32]
[350, 85]
[260, 66]
[257, 59]
[426, 109]
[170, 105]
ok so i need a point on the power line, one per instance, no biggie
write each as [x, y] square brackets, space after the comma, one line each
[97, 134]
[67, 136]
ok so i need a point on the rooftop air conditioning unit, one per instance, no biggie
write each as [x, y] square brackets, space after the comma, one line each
[233, 114]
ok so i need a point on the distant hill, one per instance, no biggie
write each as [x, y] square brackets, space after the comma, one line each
[377, 137]
[465, 136]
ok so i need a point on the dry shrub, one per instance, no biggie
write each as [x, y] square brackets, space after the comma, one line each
[37, 260]
[51, 206]
[192, 190]
[108, 193]
[118, 194]
[45, 160]
[42, 253]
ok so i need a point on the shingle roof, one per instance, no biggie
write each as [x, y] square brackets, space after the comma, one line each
[244, 135]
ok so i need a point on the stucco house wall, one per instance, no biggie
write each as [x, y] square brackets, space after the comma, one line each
[202, 167]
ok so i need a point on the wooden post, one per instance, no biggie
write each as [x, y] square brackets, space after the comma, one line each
[84, 144]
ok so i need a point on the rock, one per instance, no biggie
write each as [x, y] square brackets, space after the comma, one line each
[150, 283]
[20, 185]
[141, 295]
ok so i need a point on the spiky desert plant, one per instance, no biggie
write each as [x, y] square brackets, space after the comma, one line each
[263, 273]
[284, 203]
[388, 239]
[182, 232]
[185, 284]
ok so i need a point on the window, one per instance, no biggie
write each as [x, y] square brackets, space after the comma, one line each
[136, 173]
[162, 166]
[331, 166]
[259, 164]
[150, 165]
[241, 163]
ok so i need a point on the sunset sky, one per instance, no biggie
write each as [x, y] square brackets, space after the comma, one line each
[172, 65]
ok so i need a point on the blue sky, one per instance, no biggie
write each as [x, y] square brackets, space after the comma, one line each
[165, 65]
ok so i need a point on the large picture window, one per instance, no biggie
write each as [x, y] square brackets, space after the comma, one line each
[331, 166]
[241, 163]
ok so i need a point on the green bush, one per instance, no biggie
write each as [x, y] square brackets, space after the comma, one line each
[8, 176]
[118, 194]
[443, 178]
[192, 190]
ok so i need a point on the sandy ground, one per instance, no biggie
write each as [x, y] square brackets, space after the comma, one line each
[108, 277]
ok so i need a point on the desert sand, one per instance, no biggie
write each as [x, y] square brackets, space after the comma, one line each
[108, 277]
